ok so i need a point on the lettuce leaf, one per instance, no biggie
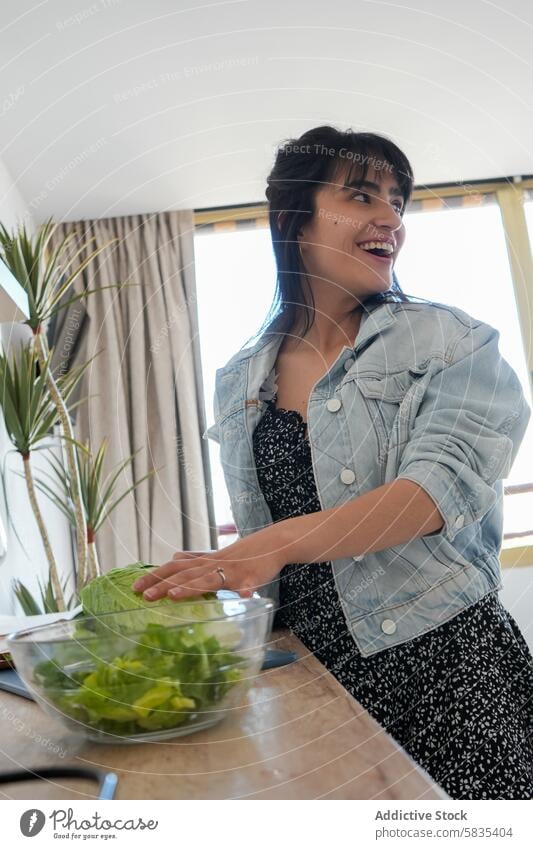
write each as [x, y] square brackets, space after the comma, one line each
[163, 681]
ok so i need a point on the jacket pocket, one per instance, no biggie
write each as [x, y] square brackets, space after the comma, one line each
[445, 552]
[404, 576]
[392, 386]
[386, 396]
[388, 577]
[430, 561]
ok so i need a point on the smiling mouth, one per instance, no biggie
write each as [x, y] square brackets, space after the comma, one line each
[379, 255]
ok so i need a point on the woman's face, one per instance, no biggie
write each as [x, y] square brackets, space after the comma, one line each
[346, 217]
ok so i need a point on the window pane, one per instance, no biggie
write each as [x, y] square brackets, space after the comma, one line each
[235, 279]
[458, 256]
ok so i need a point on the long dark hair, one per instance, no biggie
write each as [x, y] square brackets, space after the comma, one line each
[302, 165]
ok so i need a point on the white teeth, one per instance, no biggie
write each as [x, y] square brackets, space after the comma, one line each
[368, 246]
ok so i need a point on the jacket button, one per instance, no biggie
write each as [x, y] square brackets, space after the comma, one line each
[333, 404]
[347, 476]
[459, 522]
[388, 626]
[348, 363]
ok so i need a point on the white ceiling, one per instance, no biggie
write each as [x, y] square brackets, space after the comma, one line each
[120, 106]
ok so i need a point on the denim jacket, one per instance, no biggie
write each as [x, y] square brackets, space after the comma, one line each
[425, 395]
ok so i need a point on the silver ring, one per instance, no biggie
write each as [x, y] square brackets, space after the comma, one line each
[220, 571]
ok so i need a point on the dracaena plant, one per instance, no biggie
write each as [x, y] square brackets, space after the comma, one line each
[98, 494]
[29, 416]
[47, 274]
[48, 603]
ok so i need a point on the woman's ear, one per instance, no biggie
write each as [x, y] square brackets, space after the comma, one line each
[281, 215]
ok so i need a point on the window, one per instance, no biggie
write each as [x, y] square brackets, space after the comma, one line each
[458, 255]
[235, 274]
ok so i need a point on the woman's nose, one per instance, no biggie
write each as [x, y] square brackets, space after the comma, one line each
[388, 218]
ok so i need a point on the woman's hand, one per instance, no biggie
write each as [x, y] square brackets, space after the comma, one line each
[248, 563]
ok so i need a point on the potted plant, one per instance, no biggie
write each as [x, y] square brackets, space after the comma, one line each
[33, 399]
[29, 415]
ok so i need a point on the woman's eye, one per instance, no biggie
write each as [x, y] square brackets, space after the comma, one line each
[398, 205]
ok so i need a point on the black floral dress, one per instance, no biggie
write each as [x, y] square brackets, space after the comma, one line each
[458, 699]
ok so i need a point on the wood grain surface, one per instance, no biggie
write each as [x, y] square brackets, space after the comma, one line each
[297, 734]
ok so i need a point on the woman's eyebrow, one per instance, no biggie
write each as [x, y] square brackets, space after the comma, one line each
[358, 184]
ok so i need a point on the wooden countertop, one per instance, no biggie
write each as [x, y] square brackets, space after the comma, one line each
[298, 735]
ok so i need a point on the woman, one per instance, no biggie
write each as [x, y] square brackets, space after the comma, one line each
[364, 439]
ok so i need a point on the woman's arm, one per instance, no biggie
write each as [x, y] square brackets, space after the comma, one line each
[388, 515]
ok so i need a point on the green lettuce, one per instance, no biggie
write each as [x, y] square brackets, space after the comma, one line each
[152, 666]
[113, 593]
[162, 682]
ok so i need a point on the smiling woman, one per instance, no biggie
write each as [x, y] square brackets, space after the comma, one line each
[363, 439]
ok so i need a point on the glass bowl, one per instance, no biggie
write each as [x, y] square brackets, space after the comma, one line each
[149, 673]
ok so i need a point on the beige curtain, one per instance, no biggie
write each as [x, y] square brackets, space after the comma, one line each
[145, 386]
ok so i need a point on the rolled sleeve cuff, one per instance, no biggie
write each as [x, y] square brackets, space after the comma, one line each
[212, 433]
[456, 510]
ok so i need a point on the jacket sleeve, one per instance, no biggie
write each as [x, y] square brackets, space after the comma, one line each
[467, 431]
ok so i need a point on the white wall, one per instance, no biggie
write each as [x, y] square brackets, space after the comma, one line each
[26, 561]
[13, 207]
